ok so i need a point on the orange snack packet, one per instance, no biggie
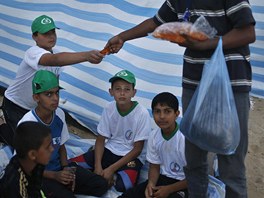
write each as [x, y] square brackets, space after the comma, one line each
[171, 31]
[105, 51]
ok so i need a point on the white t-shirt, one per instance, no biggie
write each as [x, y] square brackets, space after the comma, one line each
[123, 131]
[169, 154]
[20, 90]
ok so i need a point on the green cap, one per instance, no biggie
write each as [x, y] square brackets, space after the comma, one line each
[42, 24]
[125, 75]
[43, 81]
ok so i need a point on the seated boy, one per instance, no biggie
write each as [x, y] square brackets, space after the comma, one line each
[122, 131]
[57, 176]
[165, 153]
[23, 175]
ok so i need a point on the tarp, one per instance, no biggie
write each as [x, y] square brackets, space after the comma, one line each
[88, 24]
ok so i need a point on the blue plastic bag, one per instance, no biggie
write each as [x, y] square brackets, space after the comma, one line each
[211, 120]
[216, 188]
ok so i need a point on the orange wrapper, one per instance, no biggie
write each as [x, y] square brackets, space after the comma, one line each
[105, 51]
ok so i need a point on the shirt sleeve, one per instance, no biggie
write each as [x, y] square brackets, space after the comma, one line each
[152, 153]
[65, 133]
[103, 126]
[33, 55]
[144, 126]
[166, 13]
[239, 13]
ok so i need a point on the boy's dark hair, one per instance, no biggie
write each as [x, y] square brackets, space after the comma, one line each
[165, 98]
[29, 136]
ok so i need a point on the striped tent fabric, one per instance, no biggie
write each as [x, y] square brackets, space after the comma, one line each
[88, 24]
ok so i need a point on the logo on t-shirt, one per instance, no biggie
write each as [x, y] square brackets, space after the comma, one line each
[56, 141]
[175, 167]
[129, 134]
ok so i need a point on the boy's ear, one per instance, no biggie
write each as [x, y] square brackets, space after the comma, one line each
[32, 154]
[35, 97]
[111, 92]
[177, 113]
[34, 37]
[135, 91]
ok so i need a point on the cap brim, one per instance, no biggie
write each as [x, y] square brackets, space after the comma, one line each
[45, 31]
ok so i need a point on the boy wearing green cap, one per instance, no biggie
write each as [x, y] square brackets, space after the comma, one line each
[43, 56]
[123, 128]
[57, 177]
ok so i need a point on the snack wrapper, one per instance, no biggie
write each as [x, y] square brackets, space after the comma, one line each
[200, 30]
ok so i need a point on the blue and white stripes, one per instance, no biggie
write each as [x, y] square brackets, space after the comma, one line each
[88, 24]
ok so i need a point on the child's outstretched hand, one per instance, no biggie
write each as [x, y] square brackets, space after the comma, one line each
[94, 56]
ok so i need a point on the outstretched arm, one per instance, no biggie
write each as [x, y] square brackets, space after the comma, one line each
[69, 58]
[141, 30]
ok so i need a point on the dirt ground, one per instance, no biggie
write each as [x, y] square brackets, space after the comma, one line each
[255, 157]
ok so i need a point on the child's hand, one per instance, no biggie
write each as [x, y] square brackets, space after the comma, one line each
[64, 176]
[99, 171]
[160, 192]
[149, 191]
[108, 174]
[94, 56]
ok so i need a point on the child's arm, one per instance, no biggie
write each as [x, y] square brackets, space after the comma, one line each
[134, 153]
[153, 176]
[63, 156]
[69, 58]
[63, 176]
[98, 153]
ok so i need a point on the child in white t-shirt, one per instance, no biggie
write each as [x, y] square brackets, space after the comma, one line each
[165, 153]
[43, 56]
[124, 127]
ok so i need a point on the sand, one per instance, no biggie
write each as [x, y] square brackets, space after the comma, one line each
[255, 156]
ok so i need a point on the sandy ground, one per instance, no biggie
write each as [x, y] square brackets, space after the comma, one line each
[255, 157]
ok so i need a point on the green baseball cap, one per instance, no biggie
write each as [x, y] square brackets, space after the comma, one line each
[125, 75]
[43, 24]
[43, 81]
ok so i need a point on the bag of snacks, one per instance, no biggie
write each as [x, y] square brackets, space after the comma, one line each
[172, 31]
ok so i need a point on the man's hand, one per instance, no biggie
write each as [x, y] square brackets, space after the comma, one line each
[114, 44]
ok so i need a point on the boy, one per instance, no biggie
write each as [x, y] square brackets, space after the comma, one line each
[57, 176]
[125, 125]
[165, 153]
[23, 175]
[18, 96]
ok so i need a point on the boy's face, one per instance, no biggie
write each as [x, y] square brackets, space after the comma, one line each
[44, 152]
[165, 117]
[48, 100]
[47, 40]
[122, 91]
